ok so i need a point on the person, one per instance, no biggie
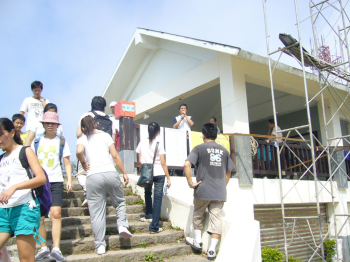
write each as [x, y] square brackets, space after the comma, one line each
[116, 125]
[34, 105]
[38, 131]
[146, 149]
[183, 121]
[214, 165]
[19, 121]
[274, 131]
[48, 152]
[19, 212]
[213, 121]
[94, 151]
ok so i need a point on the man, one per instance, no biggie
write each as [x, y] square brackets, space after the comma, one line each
[116, 125]
[274, 131]
[34, 106]
[214, 166]
[183, 121]
[213, 121]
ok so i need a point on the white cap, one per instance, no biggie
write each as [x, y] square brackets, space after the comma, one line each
[112, 104]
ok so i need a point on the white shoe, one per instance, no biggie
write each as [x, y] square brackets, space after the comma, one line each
[193, 243]
[101, 250]
[211, 255]
[124, 232]
[85, 203]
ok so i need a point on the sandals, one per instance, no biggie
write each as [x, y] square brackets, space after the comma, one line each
[160, 230]
[143, 219]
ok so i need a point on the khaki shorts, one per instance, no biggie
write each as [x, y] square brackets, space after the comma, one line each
[215, 215]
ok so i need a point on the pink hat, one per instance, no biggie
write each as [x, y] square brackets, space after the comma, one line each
[50, 117]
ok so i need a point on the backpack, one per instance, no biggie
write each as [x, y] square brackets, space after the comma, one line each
[62, 143]
[43, 193]
[103, 123]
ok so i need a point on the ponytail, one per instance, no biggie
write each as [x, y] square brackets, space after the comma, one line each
[6, 124]
[153, 129]
[88, 125]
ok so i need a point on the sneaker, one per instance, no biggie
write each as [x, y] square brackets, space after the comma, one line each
[101, 250]
[193, 243]
[57, 255]
[143, 219]
[211, 255]
[43, 253]
[85, 203]
[155, 232]
[124, 232]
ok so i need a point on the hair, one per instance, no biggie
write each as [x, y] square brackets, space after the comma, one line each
[50, 106]
[36, 84]
[98, 103]
[271, 121]
[153, 129]
[6, 124]
[210, 131]
[183, 105]
[88, 123]
[214, 118]
[18, 116]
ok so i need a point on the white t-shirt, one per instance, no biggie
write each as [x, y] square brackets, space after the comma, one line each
[12, 173]
[101, 114]
[48, 155]
[147, 153]
[97, 152]
[184, 123]
[35, 111]
[275, 132]
[115, 121]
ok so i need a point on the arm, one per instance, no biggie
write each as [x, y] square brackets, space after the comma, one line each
[118, 162]
[30, 138]
[79, 133]
[165, 169]
[68, 168]
[190, 122]
[176, 125]
[139, 155]
[22, 112]
[187, 169]
[228, 176]
[43, 101]
[38, 180]
[81, 157]
[113, 137]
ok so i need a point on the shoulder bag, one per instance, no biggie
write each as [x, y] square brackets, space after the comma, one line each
[146, 177]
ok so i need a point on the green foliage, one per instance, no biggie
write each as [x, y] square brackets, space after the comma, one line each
[150, 257]
[140, 202]
[143, 244]
[329, 249]
[160, 259]
[292, 259]
[108, 231]
[271, 255]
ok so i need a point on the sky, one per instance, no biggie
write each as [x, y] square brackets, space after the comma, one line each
[73, 47]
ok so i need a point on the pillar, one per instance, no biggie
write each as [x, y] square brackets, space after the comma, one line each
[126, 133]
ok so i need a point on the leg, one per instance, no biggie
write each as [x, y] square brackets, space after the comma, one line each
[148, 201]
[157, 205]
[26, 248]
[215, 226]
[97, 198]
[42, 231]
[4, 237]
[55, 212]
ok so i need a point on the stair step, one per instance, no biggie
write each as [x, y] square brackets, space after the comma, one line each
[87, 245]
[77, 202]
[80, 194]
[188, 258]
[84, 211]
[75, 232]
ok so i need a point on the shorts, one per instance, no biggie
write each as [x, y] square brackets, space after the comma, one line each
[215, 215]
[57, 194]
[21, 220]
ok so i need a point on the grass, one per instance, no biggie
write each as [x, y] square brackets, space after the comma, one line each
[108, 231]
[142, 244]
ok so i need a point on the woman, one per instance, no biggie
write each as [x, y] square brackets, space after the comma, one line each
[19, 212]
[97, 147]
[146, 149]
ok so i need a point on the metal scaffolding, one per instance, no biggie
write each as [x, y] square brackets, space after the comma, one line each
[330, 72]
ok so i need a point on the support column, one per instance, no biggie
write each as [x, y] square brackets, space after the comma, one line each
[233, 96]
[126, 133]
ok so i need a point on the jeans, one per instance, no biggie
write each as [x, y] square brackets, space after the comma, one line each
[154, 212]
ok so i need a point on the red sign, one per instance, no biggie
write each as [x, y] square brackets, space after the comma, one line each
[125, 108]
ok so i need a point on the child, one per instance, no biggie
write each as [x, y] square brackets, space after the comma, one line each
[19, 122]
[48, 155]
[97, 147]
[34, 105]
[19, 212]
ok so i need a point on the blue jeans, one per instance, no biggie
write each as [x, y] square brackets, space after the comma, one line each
[154, 212]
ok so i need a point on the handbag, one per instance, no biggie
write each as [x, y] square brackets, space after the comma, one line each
[146, 177]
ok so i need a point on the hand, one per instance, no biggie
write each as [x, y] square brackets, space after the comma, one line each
[169, 183]
[86, 166]
[42, 99]
[5, 196]
[195, 184]
[69, 186]
[182, 116]
[126, 179]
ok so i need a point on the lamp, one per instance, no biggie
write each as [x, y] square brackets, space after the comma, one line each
[145, 116]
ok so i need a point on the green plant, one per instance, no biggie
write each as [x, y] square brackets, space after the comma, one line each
[329, 249]
[160, 259]
[143, 244]
[108, 231]
[140, 202]
[271, 255]
[129, 193]
[150, 257]
[292, 259]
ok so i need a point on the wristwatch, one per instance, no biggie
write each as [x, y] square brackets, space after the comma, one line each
[191, 184]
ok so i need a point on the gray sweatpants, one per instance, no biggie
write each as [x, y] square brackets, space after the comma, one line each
[98, 187]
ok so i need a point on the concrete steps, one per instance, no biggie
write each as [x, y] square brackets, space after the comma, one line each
[77, 239]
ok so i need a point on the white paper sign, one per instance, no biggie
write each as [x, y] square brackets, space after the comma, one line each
[175, 147]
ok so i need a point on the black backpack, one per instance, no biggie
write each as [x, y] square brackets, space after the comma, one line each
[103, 123]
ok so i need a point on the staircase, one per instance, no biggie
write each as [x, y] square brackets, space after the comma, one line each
[77, 240]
